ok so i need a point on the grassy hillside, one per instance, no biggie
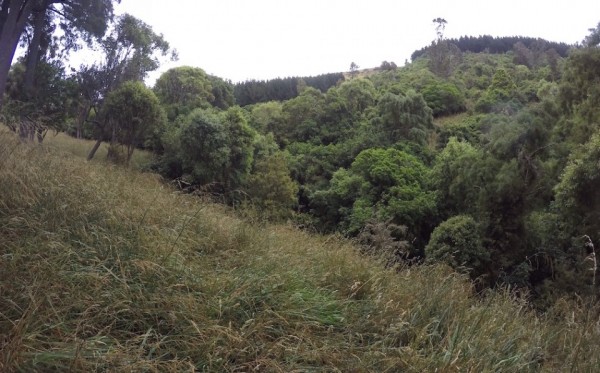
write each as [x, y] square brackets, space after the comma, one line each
[107, 269]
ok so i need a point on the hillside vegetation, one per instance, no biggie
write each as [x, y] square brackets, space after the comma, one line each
[108, 269]
[440, 216]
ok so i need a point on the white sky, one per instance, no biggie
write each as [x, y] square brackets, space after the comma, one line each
[263, 39]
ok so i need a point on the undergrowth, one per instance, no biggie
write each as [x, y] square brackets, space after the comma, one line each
[108, 269]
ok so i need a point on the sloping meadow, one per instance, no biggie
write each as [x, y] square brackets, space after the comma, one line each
[103, 268]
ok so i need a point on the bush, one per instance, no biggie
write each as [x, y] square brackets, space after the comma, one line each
[444, 99]
[457, 242]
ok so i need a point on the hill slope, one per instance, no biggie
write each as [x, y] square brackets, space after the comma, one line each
[106, 269]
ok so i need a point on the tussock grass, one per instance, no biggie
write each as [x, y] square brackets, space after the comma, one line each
[107, 269]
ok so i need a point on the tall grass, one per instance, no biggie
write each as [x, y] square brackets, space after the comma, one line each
[81, 148]
[107, 269]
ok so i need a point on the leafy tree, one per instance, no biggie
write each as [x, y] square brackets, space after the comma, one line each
[209, 149]
[501, 96]
[271, 188]
[443, 54]
[241, 138]
[268, 117]
[130, 52]
[403, 116]
[78, 19]
[357, 95]
[457, 242]
[388, 66]
[302, 115]
[453, 177]
[183, 89]
[523, 55]
[382, 184]
[443, 98]
[354, 69]
[593, 39]
[579, 94]
[577, 194]
[132, 111]
[49, 105]
[200, 147]
[222, 92]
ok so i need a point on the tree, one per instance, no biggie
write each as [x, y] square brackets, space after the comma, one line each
[78, 19]
[49, 105]
[210, 149]
[222, 92]
[443, 98]
[388, 66]
[453, 177]
[593, 39]
[357, 95]
[457, 242]
[130, 52]
[443, 54]
[501, 96]
[183, 89]
[403, 116]
[354, 69]
[271, 188]
[301, 117]
[579, 94]
[577, 194]
[381, 184]
[132, 111]
[241, 139]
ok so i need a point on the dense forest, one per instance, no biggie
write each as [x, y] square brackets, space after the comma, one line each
[481, 152]
[500, 45]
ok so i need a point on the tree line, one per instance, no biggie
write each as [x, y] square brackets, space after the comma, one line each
[281, 89]
[499, 45]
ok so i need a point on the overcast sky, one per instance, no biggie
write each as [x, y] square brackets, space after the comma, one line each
[263, 39]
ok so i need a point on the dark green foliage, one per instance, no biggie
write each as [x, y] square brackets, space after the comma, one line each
[241, 139]
[271, 188]
[198, 148]
[133, 112]
[453, 176]
[254, 91]
[210, 150]
[49, 105]
[388, 66]
[301, 117]
[457, 242]
[382, 184]
[497, 45]
[183, 89]
[222, 92]
[501, 96]
[403, 116]
[580, 93]
[578, 192]
[444, 56]
[443, 98]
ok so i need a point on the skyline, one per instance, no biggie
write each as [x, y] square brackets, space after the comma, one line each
[265, 39]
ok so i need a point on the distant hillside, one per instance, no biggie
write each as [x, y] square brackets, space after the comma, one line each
[281, 89]
[499, 45]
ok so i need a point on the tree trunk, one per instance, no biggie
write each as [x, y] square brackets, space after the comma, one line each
[13, 19]
[94, 150]
[82, 116]
[33, 53]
